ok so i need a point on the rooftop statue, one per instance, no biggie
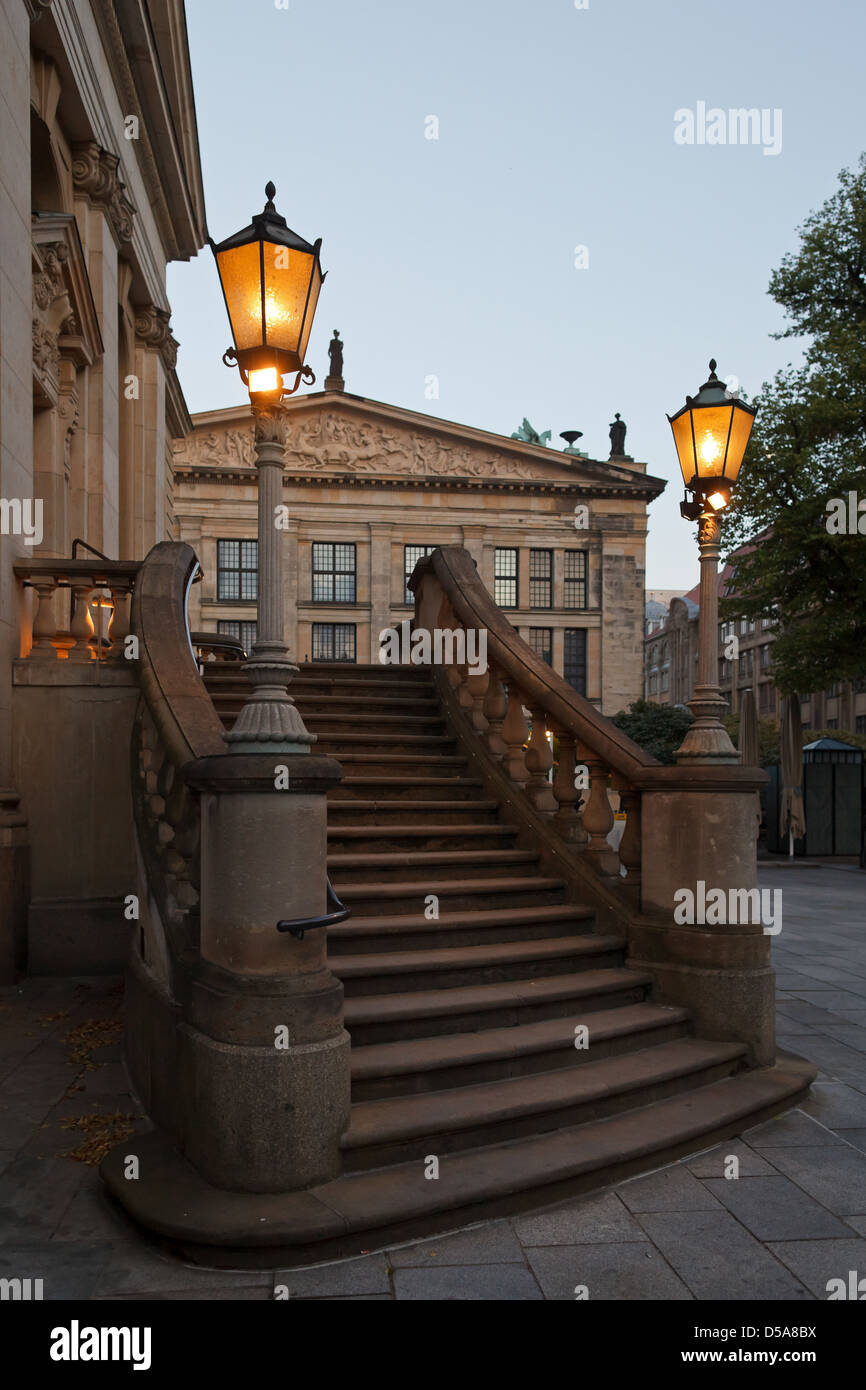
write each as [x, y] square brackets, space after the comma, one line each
[617, 437]
[527, 435]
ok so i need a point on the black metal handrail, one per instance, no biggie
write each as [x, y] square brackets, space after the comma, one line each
[300, 925]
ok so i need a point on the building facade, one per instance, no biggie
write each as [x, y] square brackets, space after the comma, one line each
[101, 188]
[369, 488]
[671, 665]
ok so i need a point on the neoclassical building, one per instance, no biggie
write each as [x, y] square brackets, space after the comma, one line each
[101, 188]
[558, 538]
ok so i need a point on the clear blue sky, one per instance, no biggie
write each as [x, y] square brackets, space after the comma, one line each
[455, 256]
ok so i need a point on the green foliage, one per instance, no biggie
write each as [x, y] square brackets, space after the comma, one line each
[768, 737]
[658, 729]
[807, 447]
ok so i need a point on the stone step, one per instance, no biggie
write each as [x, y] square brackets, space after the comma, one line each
[375, 1209]
[374, 1018]
[401, 762]
[413, 931]
[357, 810]
[475, 894]
[450, 966]
[340, 746]
[350, 722]
[377, 839]
[381, 869]
[462, 1059]
[402, 1128]
[394, 787]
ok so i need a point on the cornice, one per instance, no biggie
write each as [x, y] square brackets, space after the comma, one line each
[95, 173]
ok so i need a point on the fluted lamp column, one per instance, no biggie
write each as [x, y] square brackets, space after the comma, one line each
[269, 720]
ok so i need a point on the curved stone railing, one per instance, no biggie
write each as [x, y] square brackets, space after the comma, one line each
[176, 723]
[517, 702]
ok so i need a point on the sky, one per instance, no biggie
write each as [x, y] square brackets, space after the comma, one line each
[556, 252]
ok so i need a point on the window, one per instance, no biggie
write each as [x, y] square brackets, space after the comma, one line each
[541, 579]
[244, 632]
[333, 572]
[832, 692]
[747, 662]
[575, 658]
[574, 586]
[334, 642]
[767, 697]
[541, 642]
[237, 571]
[505, 578]
[747, 625]
[411, 555]
[860, 724]
[832, 723]
[765, 656]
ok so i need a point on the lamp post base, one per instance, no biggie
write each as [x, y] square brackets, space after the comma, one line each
[270, 721]
[707, 741]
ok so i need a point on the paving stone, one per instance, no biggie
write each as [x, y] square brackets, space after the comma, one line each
[585, 1221]
[495, 1243]
[34, 1195]
[829, 1000]
[795, 1128]
[626, 1270]
[836, 1105]
[774, 1208]
[834, 1176]
[672, 1189]
[141, 1270]
[717, 1259]
[217, 1294]
[857, 1137]
[712, 1164]
[848, 1033]
[91, 1215]
[858, 1222]
[815, 1262]
[68, 1270]
[451, 1283]
[367, 1275]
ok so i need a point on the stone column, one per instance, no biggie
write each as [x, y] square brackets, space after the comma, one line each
[380, 583]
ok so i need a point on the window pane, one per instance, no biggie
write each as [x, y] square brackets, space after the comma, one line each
[575, 659]
[333, 572]
[411, 555]
[574, 588]
[541, 642]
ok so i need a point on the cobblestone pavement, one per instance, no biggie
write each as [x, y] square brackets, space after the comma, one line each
[795, 1217]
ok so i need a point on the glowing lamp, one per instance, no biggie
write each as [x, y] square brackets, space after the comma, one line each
[270, 279]
[711, 432]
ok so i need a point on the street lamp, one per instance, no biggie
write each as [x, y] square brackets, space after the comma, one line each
[270, 280]
[710, 432]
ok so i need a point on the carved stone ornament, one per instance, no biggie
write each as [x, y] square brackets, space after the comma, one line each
[95, 172]
[152, 328]
[269, 423]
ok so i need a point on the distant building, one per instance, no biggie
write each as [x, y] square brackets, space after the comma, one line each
[671, 664]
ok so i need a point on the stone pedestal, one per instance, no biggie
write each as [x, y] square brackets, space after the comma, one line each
[698, 826]
[14, 892]
[263, 1058]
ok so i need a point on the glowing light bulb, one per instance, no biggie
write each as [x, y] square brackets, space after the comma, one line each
[710, 448]
[263, 379]
[717, 501]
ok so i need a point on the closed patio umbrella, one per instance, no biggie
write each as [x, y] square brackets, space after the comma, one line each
[792, 818]
[750, 754]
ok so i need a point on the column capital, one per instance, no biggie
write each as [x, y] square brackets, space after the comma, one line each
[153, 332]
[95, 174]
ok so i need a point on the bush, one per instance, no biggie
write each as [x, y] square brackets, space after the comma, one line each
[658, 729]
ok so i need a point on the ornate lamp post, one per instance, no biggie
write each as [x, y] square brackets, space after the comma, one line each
[270, 279]
[710, 432]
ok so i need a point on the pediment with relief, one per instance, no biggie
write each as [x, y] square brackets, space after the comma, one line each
[332, 440]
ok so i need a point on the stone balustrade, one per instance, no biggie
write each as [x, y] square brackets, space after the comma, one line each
[98, 613]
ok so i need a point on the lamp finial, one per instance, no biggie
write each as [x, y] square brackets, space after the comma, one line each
[270, 190]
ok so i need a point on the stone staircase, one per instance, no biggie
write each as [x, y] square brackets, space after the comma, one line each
[463, 1024]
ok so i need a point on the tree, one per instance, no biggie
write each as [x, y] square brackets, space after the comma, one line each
[808, 447]
[658, 729]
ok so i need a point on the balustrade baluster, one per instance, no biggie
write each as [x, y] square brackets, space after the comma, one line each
[118, 627]
[44, 625]
[630, 845]
[477, 689]
[79, 624]
[598, 819]
[514, 733]
[539, 761]
[495, 705]
[567, 821]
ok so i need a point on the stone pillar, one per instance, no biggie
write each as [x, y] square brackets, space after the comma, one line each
[264, 1059]
[707, 739]
[380, 583]
[698, 827]
[14, 886]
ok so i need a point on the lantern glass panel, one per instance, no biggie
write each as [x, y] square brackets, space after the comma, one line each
[740, 432]
[712, 424]
[311, 310]
[287, 278]
[240, 274]
[682, 431]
